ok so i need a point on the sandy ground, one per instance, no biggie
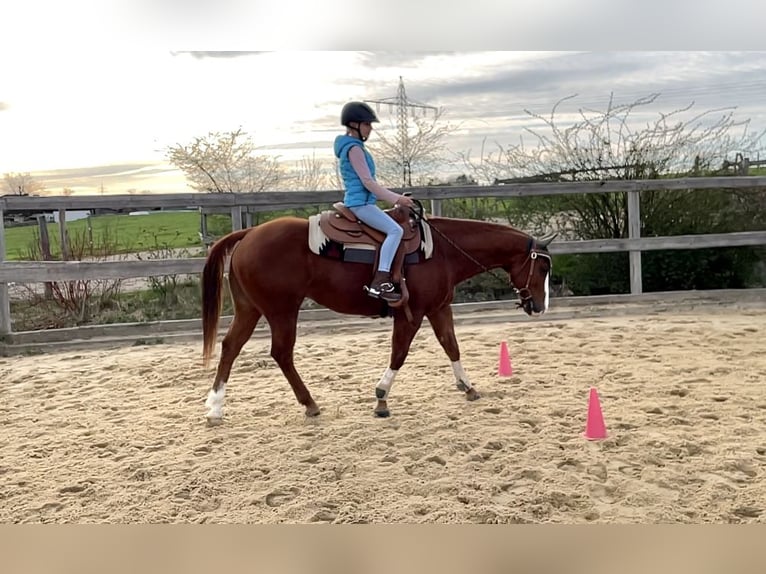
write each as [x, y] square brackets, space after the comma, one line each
[118, 435]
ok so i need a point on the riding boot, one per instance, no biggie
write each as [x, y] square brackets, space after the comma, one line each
[383, 288]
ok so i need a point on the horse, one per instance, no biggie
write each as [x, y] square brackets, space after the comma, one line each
[272, 270]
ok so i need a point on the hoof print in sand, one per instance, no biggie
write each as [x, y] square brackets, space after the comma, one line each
[281, 496]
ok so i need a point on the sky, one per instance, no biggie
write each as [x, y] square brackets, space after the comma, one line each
[98, 113]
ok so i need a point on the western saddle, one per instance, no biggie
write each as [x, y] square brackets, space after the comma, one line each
[342, 226]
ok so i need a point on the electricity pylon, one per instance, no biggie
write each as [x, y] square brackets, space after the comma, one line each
[403, 106]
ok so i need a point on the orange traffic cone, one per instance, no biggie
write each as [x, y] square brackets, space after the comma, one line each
[594, 426]
[504, 368]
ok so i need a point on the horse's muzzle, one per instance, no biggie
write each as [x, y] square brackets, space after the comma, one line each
[529, 307]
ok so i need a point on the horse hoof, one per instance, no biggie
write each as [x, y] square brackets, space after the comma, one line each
[382, 413]
[214, 421]
[472, 395]
[312, 411]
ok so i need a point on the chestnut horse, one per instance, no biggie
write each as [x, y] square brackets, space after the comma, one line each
[272, 270]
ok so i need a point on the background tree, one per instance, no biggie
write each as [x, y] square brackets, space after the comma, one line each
[609, 144]
[312, 174]
[308, 174]
[15, 183]
[226, 162]
[416, 155]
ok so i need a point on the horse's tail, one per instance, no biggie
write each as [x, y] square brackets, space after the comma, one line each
[212, 277]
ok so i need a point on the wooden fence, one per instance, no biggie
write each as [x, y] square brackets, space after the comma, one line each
[239, 204]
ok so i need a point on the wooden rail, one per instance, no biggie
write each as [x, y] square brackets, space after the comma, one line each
[41, 271]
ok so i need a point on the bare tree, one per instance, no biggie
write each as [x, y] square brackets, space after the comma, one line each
[420, 153]
[16, 183]
[312, 174]
[610, 144]
[225, 162]
[76, 301]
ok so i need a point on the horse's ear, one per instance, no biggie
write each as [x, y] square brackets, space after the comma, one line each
[546, 239]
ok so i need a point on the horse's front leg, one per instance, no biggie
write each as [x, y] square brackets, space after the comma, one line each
[444, 329]
[404, 332]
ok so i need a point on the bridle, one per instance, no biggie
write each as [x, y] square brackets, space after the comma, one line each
[525, 295]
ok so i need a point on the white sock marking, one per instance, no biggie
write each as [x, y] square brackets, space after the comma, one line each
[384, 386]
[214, 402]
[460, 377]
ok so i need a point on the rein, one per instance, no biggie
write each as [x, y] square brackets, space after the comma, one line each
[524, 293]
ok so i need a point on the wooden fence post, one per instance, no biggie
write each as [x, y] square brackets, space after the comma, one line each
[236, 218]
[63, 235]
[89, 226]
[436, 207]
[203, 226]
[634, 232]
[45, 250]
[5, 301]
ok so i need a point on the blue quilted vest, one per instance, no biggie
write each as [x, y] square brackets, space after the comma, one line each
[356, 194]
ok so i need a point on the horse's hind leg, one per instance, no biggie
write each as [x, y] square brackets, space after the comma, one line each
[283, 333]
[444, 329]
[239, 332]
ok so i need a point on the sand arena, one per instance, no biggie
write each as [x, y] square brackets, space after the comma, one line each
[117, 435]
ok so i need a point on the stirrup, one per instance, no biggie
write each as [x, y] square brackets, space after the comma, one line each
[385, 291]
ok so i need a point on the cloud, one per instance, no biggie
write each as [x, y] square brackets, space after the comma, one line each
[392, 59]
[502, 90]
[544, 78]
[484, 93]
[123, 175]
[398, 24]
[219, 54]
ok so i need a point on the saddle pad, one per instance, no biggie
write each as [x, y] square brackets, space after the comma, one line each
[319, 241]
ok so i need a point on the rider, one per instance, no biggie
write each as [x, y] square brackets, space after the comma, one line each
[357, 169]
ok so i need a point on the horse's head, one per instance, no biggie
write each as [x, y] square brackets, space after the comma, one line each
[531, 277]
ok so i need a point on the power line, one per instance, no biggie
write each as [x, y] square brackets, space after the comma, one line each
[403, 105]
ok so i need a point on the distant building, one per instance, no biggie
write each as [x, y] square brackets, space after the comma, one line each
[455, 180]
[73, 215]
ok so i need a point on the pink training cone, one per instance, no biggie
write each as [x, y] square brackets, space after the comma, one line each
[504, 368]
[594, 426]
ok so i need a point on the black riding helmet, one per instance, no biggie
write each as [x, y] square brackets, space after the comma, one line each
[357, 112]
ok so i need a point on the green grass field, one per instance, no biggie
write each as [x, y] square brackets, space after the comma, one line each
[128, 232]
[133, 233]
